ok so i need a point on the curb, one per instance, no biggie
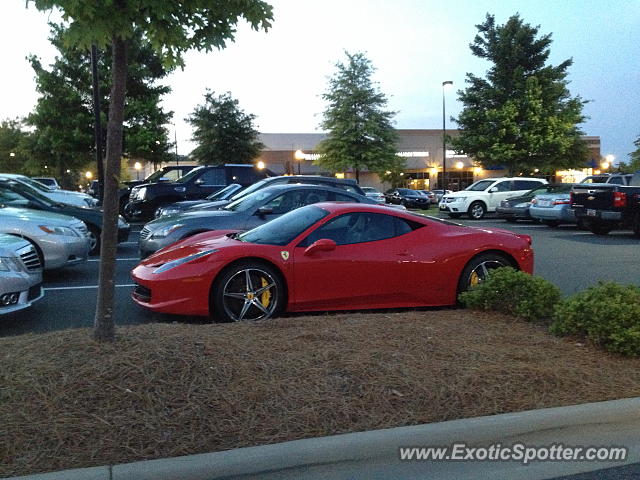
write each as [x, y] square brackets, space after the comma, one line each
[351, 447]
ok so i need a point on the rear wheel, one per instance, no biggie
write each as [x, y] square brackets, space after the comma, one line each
[479, 268]
[600, 228]
[248, 291]
[477, 210]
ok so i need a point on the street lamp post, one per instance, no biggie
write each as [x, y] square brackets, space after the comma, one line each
[137, 166]
[299, 156]
[445, 84]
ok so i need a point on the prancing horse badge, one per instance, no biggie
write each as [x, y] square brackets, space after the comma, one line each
[285, 255]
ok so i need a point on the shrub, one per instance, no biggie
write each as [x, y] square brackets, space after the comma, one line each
[608, 314]
[514, 292]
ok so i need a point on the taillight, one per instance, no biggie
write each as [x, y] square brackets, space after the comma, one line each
[619, 199]
[534, 201]
[562, 202]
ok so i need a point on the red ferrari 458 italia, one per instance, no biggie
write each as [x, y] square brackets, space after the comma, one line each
[327, 256]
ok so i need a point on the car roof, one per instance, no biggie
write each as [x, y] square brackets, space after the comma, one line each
[347, 207]
[299, 186]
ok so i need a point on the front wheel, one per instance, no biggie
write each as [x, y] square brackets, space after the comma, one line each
[248, 291]
[94, 239]
[477, 210]
[479, 268]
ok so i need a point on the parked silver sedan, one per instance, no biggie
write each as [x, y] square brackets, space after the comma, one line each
[20, 274]
[554, 207]
[59, 240]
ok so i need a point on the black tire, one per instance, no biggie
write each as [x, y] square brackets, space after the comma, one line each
[600, 228]
[233, 300]
[94, 239]
[582, 224]
[551, 223]
[477, 210]
[481, 265]
[635, 226]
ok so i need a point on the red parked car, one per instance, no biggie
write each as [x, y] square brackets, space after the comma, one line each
[327, 256]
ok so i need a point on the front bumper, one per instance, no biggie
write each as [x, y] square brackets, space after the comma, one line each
[513, 213]
[63, 251]
[19, 290]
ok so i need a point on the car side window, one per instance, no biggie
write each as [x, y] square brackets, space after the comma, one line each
[338, 197]
[616, 180]
[352, 228]
[213, 176]
[295, 199]
[524, 185]
[503, 186]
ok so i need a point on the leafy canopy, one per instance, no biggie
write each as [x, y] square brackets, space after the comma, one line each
[222, 132]
[521, 115]
[360, 132]
[172, 28]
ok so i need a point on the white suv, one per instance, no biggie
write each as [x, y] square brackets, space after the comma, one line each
[485, 195]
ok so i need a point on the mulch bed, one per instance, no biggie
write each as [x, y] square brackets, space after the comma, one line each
[165, 390]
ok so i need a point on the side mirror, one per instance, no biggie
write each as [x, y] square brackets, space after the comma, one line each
[493, 189]
[262, 211]
[199, 182]
[322, 245]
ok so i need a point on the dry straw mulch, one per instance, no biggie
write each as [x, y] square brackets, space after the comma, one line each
[167, 390]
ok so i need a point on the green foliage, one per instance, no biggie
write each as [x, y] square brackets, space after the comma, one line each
[63, 116]
[514, 292]
[14, 143]
[222, 132]
[171, 28]
[608, 314]
[360, 132]
[634, 164]
[521, 115]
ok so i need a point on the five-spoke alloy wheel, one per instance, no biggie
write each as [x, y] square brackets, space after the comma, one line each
[479, 268]
[247, 292]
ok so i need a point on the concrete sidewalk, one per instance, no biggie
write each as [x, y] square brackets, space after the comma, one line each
[375, 454]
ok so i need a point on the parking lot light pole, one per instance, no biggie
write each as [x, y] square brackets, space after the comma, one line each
[445, 84]
[299, 156]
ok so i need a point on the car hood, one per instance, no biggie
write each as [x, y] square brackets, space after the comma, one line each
[462, 193]
[216, 240]
[29, 215]
[209, 205]
[521, 199]
[191, 217]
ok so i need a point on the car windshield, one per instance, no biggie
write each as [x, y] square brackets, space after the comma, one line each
[256, 186]
[193, 173]
[154, 177]
[41, 187]
[562, 188]
[225, 193]
[480, 185]
[18, 194]
[250, 202]
[282, 230]
[369, 190]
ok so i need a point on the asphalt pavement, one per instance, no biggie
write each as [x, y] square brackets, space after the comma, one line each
[570, 258]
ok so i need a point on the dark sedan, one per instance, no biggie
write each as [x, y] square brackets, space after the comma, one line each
[517, 208]
[243, 214]
[16, 194]
[409, 198]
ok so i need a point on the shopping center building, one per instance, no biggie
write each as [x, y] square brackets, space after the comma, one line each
[292, 153]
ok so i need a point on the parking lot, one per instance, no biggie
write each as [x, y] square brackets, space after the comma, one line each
[570, 258]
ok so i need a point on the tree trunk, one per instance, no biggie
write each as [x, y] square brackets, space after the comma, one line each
[104, 322]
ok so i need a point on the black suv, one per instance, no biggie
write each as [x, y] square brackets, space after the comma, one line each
[214, 202]
[197, 184]
[409, 198]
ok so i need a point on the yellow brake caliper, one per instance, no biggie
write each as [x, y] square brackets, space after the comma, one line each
[474, 280]
[265, 298]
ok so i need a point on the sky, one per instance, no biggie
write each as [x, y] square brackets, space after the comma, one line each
[414, 45]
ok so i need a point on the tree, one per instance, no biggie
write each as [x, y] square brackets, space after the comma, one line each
[222, 132]
[63, 116]
[171, 28]
[360, 132]
[521, 115]
[13, 143]
[634, 165]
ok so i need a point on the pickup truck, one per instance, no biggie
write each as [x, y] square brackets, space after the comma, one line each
[605, 206]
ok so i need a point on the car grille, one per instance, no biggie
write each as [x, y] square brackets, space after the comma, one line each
[142, 293]
[144, 233]
[30, 258]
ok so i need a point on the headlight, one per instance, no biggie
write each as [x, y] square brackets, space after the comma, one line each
[142, 193]
[460, 199]
[9, 264]
[169, 211]
[163, 232]
[58, 230]
[180, 261]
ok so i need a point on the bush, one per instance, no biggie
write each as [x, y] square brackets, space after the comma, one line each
[514, 292]
[607, 314]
